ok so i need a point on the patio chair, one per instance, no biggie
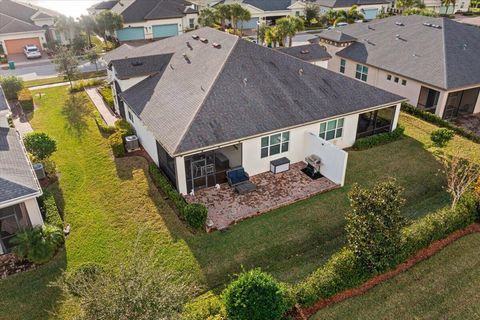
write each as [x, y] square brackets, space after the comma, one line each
[240, 180]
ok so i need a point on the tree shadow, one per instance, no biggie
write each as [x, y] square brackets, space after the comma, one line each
[77, 112]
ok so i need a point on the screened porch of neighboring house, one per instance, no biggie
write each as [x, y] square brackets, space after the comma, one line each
[13, 219]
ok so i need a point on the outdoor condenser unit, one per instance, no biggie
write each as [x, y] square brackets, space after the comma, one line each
[39, 171]
[131, 143]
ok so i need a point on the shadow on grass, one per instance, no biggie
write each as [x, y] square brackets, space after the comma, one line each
[77, 112]
[55, 189]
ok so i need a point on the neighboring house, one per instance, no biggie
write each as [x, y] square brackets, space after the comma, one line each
[19, 187]
[369, 8]
[437, 6]
[313, 53]
[267, 11]
[22, 24]
[101, 6]
[205, 102]
[147, 19]
[434, 62]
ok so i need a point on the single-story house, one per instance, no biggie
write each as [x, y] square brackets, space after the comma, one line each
[434, 62]
[19, 187]
[369, 8]
[23, 24]
[313, 53]
[204, 102]
[152, 20]
[266, 11]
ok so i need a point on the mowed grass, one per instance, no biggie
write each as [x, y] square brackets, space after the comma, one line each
[111, 204]
[446, 286]
[59, 79]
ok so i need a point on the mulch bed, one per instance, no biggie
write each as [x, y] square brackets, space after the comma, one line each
[304, 314]
[9, 264]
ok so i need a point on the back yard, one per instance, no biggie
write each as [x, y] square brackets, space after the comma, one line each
[112, 203]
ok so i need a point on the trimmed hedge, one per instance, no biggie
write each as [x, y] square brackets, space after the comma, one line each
[82, 84]
[116, 143]
[194, 214]
[378, 139]
[207, 307]
[104, 128]
[441, 136]
[432, 118]
[107, 95]
[26, 101]
[124, 127]
[49, 210]
[344, 271]
[116, 140]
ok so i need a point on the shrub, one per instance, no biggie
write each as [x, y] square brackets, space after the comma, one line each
[102, 126]
[124, 127]
[255, 295]
[441, 136]
[82, 84]
[26, 100]
[38, 245]
[378, 139]
[107, 95]
[162, 182]
[208, 307]
[432, 118]
[79, 279]
[49, 210]
[374, 225]
[40, 145]
[11, 86]
[342, 271]
[196, 215]
[116, 143]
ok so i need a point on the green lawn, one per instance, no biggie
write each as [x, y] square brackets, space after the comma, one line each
[109, 202]
[446, 286]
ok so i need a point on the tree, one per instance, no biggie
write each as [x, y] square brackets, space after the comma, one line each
[207, 17]
[223, 13]
[441, 136]
[66, 64]
[422, 12]
[236, 11]
[374, 224]
[272, 36]
[262, 29]
[40, 145]
[93, 56]
[288, 27]
[312, 12]
[244, 15]
[138, 288]
[38, 245]
[255, 295]
[406, 4]
[108, 21]
[460, 174]
[87, 25]
[349, 16]
[331, 17]
[11, 86]
[79, 44]
[68, 26]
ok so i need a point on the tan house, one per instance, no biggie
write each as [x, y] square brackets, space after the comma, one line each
[434, 62]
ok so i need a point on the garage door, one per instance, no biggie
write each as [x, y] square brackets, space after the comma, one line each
[250, 24]
[370, 14]
[166, 30]
[129, 34]
[16, 45]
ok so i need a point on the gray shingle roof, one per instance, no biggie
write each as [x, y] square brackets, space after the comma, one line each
[336, 35]
[348, 3]
[3, 101]
[446, 57]
[307, 52]
[265, 5]
[17, 10]
[239, 90]
[142, 10]
[141, 66]
[17, 178]
[11, 25]
[105, 5]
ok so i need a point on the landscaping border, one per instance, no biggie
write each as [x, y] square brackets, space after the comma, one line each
[423, 254]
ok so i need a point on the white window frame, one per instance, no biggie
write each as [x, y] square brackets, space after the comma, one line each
[343, 65]
[271, 142]
[360, 72]
[335, 126]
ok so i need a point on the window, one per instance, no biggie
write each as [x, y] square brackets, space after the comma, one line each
[343, 63]
[297, 13]
[331, 129]
[362, 72]
[274, 144]
[404, 82]
[130, 116]
[396, 79]
[191, 23]
[374, 122]
[389, 77]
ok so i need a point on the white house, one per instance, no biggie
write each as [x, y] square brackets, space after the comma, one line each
[434, 62]
[437, 6]
[23, 24]
[369, 8]
[151, 20]
[206, 102]
[19, 187]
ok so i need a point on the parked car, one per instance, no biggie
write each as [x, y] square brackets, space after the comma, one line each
[31, 51]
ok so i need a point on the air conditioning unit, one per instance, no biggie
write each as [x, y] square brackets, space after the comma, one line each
[39, 171]
[131, 143]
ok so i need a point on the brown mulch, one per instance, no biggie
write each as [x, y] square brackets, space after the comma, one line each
[10, 264]
[304, 314]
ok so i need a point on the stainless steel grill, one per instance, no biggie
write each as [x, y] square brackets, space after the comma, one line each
[314, 162]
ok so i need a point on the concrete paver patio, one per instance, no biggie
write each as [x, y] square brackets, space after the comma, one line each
[226, 207]
[470, 122]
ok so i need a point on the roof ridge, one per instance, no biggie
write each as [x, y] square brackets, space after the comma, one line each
[182, 136]
[18, 20]
[445, 73]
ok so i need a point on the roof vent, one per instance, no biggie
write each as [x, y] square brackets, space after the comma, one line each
[195, 37]
[436, 26]
[370, 27]
[185, 56]
[427, 24]
[305, 51]
[204, 40]
[216, 45]
[465, 46]
[189, 45]
[400, 24]
[300, 71]
[245, 80]
[137, 63]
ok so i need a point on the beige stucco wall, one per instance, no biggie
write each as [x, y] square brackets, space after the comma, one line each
[34, 212]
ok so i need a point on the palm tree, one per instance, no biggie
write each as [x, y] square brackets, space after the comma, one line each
[288, 27]
[68, 26]
[223, 12]
[244, 15]
[87, 24]
[349, 16]
[331, 17]
[236, 11]
[109, 21]
[272, 36]
[447, 3]
[208, 17]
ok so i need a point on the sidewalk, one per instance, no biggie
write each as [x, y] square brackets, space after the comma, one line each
[20, 120]
[105, 111]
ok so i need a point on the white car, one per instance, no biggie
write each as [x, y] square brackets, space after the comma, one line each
[31, 51]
